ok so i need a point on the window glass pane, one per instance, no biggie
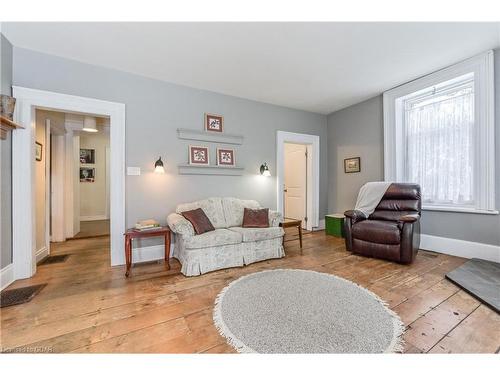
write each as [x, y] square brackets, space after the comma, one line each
[439, 127]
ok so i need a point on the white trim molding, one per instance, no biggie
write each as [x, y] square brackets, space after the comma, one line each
[42, 253]
[460, 248]
[306, 139]
[6, 276]
[150, 253]
[93, 218]
[484, 118]
[23, 177]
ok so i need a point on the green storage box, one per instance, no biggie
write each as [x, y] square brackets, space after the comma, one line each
[334, 225]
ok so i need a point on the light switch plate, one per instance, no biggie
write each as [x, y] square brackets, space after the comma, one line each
[133, 171]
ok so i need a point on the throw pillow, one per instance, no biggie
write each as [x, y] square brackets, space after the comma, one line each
[201, 223]
[258, 218]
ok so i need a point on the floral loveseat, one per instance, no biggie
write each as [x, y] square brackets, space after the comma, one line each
[229, 245]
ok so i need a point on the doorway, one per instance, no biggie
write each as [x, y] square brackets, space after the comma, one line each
[295, 186]
[93, 176]
[298, 177]
[23, 176]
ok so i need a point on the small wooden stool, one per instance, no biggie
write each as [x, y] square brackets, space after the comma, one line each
[288, 223]
[130, 234]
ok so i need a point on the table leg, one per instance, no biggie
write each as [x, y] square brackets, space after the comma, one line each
[167, 250]
[128, 255]
[300, 237]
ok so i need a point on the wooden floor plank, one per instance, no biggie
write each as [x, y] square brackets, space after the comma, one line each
[478, 333]
[89, 306]
[428, 330]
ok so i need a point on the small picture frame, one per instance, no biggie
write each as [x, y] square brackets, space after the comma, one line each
[87, 174]
[352, 165]
[87, 156]
[225, 156]
[214, 123]
[198, 155]
[38, 151]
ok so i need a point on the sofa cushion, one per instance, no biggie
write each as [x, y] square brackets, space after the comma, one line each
[200, 222]
[255, 218]
[218, 237]
[378, 231]
[233, 210]
[212, 208]
[258, 234]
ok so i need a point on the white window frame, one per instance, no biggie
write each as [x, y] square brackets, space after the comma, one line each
[484, 118]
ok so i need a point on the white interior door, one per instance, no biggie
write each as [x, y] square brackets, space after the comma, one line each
[295, 189]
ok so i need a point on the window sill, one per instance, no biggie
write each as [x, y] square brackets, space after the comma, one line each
[459, 210]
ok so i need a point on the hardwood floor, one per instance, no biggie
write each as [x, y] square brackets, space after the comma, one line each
[88, 306]
[93, 228]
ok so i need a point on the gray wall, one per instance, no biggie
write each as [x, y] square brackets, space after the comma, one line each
[6, 160]
[358, 131]
[154, 110]
[5, 65]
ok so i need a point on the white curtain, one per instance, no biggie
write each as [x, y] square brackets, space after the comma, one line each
[440, 150]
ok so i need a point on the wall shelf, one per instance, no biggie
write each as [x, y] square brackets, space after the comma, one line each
[204, 136]
[7, 125]
[210, 170]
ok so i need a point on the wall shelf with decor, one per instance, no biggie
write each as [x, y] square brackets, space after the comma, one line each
[214, 137]
[210, 170]
[7, 125]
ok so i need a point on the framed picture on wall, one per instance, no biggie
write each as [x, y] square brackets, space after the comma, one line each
[225, 156]
[87, 156]
[214, 123]
[352, 165]
[198, 155]
[38, 151]
[87, 174]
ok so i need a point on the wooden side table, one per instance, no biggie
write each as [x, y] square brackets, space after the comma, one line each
[130, 234]
[289, 223]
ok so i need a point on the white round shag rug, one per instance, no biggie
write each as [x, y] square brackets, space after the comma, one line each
[300, 311]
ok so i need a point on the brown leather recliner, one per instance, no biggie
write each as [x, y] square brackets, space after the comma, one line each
[392, 231]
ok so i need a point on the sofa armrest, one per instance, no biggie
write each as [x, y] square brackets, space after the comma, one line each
[355, 215]
[275, 218]
[409, 218]
[179, 225]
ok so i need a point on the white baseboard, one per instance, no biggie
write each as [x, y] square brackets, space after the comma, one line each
[460, 248]
[93, 218]
[6, 276]
[42, 253]
[321, 225]
[150, 253]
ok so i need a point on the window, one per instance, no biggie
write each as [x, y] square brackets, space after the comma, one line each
[439, 133]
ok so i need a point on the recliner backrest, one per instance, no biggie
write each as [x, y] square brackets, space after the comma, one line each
[400, 199]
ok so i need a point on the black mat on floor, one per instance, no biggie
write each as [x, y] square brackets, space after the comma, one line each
[19, 295]
[54, 259]
[480, 278]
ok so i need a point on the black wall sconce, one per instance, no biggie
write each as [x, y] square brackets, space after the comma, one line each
[264, 170]
[159, 166]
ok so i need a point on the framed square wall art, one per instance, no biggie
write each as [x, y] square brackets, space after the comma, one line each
[198, 155]
[214, 123]
[352, 165]
[87, 174]
[87, 156]
[225, 156]
[38, 151]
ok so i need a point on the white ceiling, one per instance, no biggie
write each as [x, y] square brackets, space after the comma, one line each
[319, 67]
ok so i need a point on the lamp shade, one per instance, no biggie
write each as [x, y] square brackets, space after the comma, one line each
[89, 124]
[264, 170]
[159, 166]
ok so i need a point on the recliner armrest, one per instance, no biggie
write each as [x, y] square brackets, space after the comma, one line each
[409, 218]
[355, 215]
[179, 225]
